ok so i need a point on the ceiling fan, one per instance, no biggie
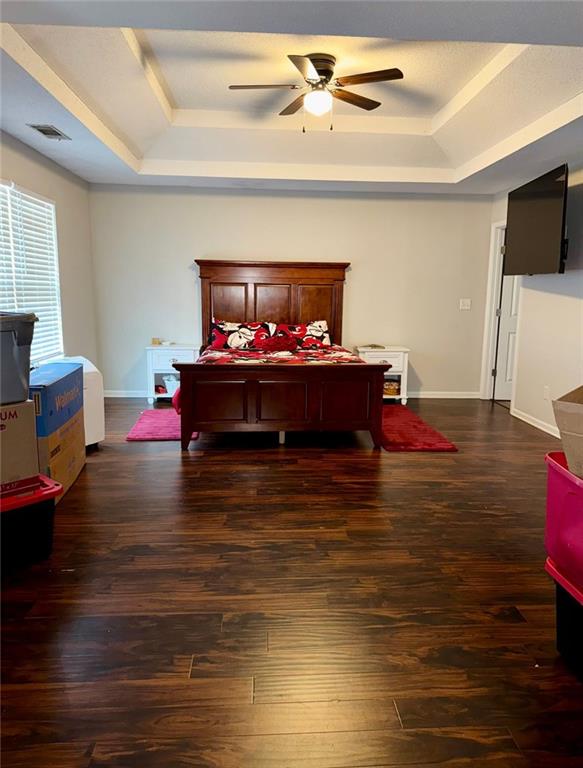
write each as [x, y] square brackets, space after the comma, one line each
[321, 87]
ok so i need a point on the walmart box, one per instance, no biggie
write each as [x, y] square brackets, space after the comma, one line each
[57, 391]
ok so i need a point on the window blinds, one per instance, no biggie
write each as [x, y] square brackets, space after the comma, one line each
[29, 266]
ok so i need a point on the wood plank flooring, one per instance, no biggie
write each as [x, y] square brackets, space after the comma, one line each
[319, 604]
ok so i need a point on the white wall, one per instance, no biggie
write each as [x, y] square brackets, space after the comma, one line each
[550, 331]
[412, 259]
[499, 208]
[35, 173]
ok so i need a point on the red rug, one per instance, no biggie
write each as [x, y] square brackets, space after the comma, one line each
[157, 424]
[403, 430]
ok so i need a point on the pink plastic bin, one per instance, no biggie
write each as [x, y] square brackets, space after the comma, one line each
[564, 528]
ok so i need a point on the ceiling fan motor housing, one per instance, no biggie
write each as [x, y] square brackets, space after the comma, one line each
[324, 64]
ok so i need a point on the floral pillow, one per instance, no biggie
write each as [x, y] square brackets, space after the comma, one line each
[307, 335]
[226, 335]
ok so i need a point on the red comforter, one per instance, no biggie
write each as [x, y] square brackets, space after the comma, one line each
[320, 356]
[331, 355]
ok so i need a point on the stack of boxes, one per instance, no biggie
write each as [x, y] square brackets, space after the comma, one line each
[18, 452]
[41, 414]
[44, 434]
[42, 441]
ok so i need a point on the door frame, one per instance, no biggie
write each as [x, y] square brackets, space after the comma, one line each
[493, 292]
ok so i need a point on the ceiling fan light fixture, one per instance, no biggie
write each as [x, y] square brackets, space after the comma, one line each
[317, 70]
[318, 101]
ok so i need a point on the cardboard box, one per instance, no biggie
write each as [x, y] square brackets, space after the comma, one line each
[61, 455]
[57, 390]
[569, 417]
[18, 449]
[68, 436]
[65, 469]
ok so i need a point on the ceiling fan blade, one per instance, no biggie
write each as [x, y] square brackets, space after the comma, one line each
[356, 99]
[250, 87]
[292, 108]
[381, 76]
[307, 70]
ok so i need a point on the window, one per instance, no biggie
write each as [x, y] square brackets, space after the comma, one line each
[29, 266]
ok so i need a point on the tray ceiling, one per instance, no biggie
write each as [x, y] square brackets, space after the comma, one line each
[153, 106]
[197, 67]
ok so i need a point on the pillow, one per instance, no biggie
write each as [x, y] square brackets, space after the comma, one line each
[308, 335]
[281, 343]
[226, 335]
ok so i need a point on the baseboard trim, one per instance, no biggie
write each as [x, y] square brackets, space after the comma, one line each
[125, 393]
[550, 429]
[445, 395]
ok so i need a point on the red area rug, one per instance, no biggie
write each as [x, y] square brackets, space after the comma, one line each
[157, 424]
[403, 430]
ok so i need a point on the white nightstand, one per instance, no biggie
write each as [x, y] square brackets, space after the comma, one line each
[398, 359]
[160, 360]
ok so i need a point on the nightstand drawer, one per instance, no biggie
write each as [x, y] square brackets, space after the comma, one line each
[394, 359]
[164, 358]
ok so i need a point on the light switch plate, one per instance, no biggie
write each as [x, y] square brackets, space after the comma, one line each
[465, 304]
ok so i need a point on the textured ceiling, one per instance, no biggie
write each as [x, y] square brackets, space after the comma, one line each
[153, 106]
[99, 67]
[198, 66]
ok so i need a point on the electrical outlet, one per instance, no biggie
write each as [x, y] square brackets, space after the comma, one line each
[546, 392]
[465, 305]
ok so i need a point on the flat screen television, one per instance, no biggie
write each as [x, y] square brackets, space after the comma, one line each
[536, 241]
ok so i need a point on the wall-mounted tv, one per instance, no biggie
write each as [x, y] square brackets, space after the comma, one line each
[536, 242]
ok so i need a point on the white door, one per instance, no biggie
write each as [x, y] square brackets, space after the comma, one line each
[507, 338]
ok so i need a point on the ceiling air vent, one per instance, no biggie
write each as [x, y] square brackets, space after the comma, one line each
[50, 132]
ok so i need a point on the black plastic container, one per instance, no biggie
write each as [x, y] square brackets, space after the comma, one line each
[570, 630]
[27, 523]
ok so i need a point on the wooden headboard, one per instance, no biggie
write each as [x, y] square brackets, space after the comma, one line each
[281, 292]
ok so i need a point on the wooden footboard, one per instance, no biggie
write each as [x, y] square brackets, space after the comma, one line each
[274, 398]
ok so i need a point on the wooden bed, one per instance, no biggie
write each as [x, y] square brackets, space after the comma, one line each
[269, 397]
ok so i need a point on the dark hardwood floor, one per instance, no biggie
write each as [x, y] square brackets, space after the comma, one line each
[319, 604]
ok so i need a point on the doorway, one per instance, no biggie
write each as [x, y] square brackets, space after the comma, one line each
[500, 326]
[503, 366]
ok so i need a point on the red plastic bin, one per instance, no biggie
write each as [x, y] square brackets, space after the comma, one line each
[564, 543]
[564, 527]
[27, 525]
